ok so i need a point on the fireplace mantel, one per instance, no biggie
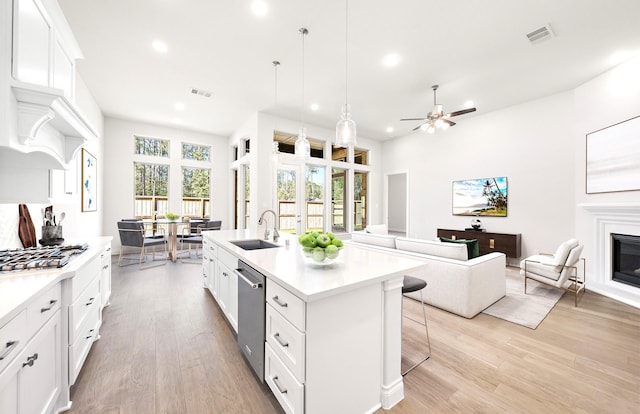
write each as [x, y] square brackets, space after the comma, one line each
[621, 218]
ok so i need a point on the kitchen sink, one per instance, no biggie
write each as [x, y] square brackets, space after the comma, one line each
[253, 244]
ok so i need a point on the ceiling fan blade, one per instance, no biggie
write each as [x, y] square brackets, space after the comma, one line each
[461, 112]
[414, 119]
[418, 127]
[450, 123]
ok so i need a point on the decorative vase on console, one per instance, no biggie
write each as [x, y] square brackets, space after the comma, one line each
[476, 223]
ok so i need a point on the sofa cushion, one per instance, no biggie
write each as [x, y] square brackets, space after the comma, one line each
[473, 250]
[382, 240]
[433, 248]
[377, 229]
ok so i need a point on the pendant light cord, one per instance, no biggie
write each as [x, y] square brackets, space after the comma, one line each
[275, 92]
[346, 53]
[303, 32]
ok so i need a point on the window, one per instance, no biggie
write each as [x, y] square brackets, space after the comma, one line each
[287, 199]
[338, 196]
[360, 200]
[151, 146]
[360, 156]
[152, 188]
[195, 192]
[339, 153]
[195, 152]
[287, 144]
[247, 193]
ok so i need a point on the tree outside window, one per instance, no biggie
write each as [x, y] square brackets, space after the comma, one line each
[195, 152]
[195, 192]
[151, 146]
[152, 189]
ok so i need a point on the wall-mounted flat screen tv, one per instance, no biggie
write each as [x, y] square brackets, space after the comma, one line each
[480, 197]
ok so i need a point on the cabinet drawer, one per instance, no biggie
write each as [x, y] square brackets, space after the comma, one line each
[287, 342]
[290, 306]
[84, 276]
[81, 308]
[288, 391]
[42, 308]
[13, 338]
[209, 248]
[87, 333]
[227, 259]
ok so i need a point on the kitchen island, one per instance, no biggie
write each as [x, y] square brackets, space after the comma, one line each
[333, 332]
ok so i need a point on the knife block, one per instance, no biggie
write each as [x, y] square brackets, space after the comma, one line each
[51, 235]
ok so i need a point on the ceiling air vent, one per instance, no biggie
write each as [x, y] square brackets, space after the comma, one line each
[540, 34]
[201, 92]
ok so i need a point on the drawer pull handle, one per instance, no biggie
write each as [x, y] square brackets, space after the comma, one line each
[105, 266]
[51, 303]
[109, 249]
[30, 360]
[279, 302]
[278, 386]
[280, 341]
[225, 274]
[90, 302]
[10, 346]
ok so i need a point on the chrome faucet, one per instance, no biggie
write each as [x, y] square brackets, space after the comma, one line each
[266, 229]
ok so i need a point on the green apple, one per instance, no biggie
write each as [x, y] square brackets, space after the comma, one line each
[318, 254]
[308, 241]
[323, 240]
[337, 243]
[331, 235]
[308, 251]
[331, 251]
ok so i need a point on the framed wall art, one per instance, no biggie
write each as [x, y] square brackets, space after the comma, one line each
[89, 181]
[480, 197]
[613, 158]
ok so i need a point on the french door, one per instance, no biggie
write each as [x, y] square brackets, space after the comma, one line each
[301, 196]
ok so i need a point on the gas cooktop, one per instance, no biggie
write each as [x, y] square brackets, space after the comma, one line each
[39, 257]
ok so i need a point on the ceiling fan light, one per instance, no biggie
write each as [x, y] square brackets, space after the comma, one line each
[444, 126]
[302, 146]
[439, 123]
[346, 129]
[431, 129]
[424, 127]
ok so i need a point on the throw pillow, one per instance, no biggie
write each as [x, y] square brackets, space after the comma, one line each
[473, 250]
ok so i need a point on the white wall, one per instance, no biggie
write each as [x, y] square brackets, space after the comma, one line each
[531, 144]
[119, 192]
[397, 202]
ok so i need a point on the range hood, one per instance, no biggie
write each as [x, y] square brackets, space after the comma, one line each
[48, 123]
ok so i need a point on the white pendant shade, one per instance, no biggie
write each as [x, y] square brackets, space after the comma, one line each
[346, 129]
[303, 148]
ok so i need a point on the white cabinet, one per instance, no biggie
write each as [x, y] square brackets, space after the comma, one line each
[228, 286]
[83, 314]
[210, 267]
[105, 276]
[31, 382]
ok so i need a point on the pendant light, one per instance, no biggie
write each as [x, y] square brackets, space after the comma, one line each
[346, 127]
[303, 148]
[275, 64]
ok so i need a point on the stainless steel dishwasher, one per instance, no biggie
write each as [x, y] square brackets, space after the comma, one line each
[251, 319]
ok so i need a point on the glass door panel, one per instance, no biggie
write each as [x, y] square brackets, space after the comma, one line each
[287, 202]
[360, 200]
[338, 197]
[314, 198]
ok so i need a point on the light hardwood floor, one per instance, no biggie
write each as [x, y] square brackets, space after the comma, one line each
[166, 348]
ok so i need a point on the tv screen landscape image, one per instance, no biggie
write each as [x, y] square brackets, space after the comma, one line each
[480, 197]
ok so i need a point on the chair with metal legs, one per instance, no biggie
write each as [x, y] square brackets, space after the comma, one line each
[414, 284]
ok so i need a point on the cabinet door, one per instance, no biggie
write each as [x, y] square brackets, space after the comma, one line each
[9, 389]
[224, 276]
[105, 277]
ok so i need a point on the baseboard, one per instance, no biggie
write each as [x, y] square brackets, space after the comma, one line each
[391, 395]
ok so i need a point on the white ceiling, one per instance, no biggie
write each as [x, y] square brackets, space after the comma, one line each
[475, 49]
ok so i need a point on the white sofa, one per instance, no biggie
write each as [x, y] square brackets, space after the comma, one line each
[455, 284]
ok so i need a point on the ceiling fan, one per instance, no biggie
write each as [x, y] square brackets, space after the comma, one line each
[436, 118]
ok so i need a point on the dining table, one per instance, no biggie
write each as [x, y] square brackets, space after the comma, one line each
[174, 228]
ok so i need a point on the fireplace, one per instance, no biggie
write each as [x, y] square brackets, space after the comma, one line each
[625, 259]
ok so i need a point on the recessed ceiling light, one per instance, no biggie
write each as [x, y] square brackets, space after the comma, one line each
[391, 60]
[389, 129]
[468, 104]
[314, 107]
[259, 8]
[159, 46]
[179, 106]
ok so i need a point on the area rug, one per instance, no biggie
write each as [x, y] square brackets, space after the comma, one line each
[527, 310]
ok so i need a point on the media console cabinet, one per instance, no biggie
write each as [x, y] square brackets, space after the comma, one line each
[509, 244]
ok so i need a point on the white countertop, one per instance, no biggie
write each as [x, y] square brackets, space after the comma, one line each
[19, 287]
[286, 265]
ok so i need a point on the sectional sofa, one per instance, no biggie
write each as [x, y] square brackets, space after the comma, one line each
[454, 283]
